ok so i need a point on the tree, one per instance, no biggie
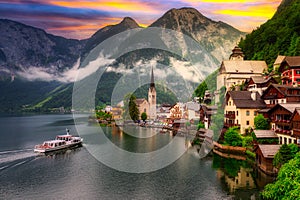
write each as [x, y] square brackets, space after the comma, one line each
[285, 153]
[261, 123]
[144, 116]
[232, 137]
[130, 108]
[287, 184]
[200, 91]
[133, 109]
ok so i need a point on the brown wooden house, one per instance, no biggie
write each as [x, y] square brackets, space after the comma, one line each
[275, 94]
[264, 157]
[280, 116]
[295, 125]
[259, 83]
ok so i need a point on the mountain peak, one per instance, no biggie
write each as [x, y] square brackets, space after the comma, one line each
[129, 22]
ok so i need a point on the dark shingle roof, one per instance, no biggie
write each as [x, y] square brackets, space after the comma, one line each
[242, 99]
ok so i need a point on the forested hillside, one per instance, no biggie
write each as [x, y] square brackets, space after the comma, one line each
[278, 36]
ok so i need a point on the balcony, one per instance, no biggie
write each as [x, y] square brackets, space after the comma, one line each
[228, 125]
[284, 132]
[230, 116]
[281, 121]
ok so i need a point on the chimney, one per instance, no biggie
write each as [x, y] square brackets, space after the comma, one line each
[253, 96]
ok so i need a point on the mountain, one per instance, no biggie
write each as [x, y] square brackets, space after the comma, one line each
[126, 24]
[43, 56]
[278, 36]
[218, 38]
[22, 47]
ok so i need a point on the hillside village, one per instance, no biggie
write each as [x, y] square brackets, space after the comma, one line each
[248, 91]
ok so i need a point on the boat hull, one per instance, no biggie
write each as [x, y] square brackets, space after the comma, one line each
[51, 149]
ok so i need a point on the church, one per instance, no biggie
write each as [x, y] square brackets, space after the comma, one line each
[149, 107]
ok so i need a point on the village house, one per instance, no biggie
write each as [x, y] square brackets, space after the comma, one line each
[241, 107]
[192, 110]
[264, 157]
[206, 113]
[177, 111]
[295, 125]
[259, 83]
[236, 70]
[290, 70]
[280, 116]
[276, 93]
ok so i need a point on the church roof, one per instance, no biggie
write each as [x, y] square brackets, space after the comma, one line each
[243, 66]
[140, 101]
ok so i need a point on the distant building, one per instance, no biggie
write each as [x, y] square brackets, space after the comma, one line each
[241, 107]
[152, 98]
[192, 110]
[206, 113]
[148, 107]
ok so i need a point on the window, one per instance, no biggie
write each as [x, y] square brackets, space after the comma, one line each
[237, 113]
[247, 113]
[297, 71]
[255, 113]
[144, 110]
[247, 123]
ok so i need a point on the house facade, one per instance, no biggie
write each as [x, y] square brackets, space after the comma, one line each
[295, 125]
[276, 94]
[264, 157]
[241, 107]
[289, 69]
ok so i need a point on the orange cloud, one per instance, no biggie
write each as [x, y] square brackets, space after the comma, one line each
[261, 11]
[119, 5]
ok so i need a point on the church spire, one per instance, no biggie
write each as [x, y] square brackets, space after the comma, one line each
[152, 84]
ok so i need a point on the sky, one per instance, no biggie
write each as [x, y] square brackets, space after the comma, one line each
[79, 19]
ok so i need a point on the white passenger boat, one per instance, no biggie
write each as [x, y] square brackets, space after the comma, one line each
[60, 142]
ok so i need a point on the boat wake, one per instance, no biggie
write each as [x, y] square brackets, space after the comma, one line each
[14, 158]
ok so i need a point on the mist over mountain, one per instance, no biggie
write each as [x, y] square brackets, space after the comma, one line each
[31, 54]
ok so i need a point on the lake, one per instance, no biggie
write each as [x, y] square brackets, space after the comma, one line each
[76, 174]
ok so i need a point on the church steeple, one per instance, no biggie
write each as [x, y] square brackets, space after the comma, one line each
[152, 97]
[152, 84]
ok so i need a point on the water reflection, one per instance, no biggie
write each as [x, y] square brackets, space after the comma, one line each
[239, 177]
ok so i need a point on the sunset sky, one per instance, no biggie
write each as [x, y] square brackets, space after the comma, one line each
[81, 18]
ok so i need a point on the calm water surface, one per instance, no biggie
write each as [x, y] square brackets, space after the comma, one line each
[75, 174]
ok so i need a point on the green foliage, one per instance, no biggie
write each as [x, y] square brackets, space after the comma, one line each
[247, 141]
[261, 123]
[131, 110]
[144, 116]
[280, 35]
[232, 137]
[200, 125]
[210, 83]
[200, 91]
[250, 154]
[287, 185]
[103, 115]
[285, 153]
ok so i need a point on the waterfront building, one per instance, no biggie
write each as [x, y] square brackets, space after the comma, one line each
[265, 137]
[206, 112]
[264, 157]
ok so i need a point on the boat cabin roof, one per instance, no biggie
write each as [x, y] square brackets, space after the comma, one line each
[54, 141]
[64, 136]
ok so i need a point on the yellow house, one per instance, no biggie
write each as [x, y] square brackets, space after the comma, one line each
[241, 107]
